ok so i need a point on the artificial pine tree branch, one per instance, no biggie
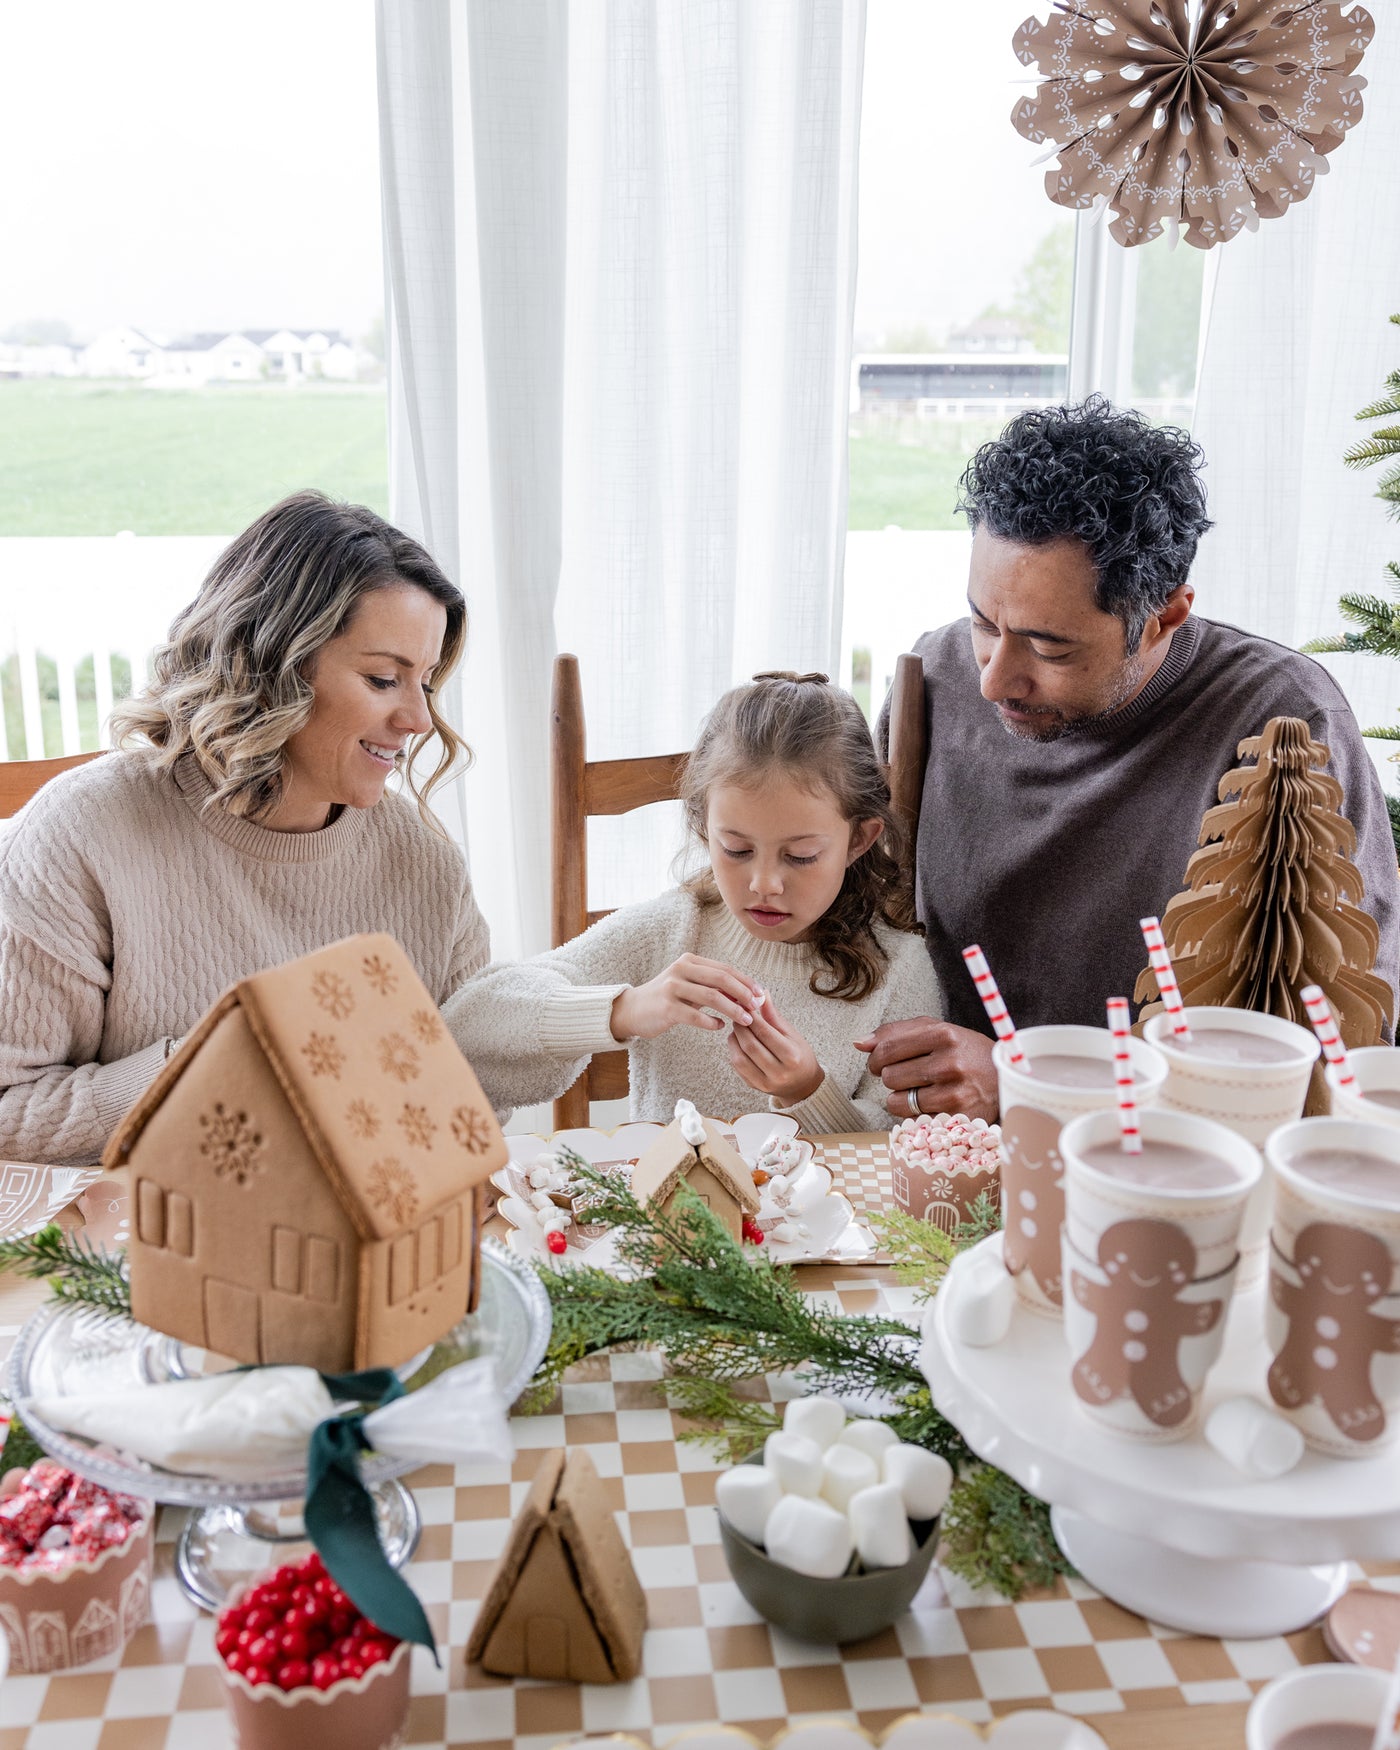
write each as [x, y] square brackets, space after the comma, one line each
[74, 1268]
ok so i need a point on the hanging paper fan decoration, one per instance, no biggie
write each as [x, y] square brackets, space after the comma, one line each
[1210, 116]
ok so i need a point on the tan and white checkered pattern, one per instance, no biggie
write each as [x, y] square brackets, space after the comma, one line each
[707, 1656]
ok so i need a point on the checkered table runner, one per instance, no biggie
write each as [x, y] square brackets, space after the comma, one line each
[860, 1168]
[707, 1656]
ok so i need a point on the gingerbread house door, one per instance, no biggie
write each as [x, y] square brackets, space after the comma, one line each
[230, 1318]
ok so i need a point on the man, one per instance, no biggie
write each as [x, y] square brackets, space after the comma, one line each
[1078, 726]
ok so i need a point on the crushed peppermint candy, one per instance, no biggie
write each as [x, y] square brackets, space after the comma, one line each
[949, 1140]
[50, 1518]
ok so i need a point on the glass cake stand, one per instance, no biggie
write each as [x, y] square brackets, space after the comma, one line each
[1172, 1531]
[237, 1529]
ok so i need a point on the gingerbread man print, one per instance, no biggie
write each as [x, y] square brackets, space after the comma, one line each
[1033, 1197]
[1333, 1328]
[1140, 1321]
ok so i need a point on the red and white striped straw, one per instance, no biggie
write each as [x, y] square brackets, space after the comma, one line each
[1166, 978]
[992, 1003]
[1118, 1026]
[1326, 1029]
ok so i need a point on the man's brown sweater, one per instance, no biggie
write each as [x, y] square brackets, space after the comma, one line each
[1048, 853]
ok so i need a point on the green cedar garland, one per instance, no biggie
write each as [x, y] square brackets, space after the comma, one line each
[75, 1269]
[724, 1315]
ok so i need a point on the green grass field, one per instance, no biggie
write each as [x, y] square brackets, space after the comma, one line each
[93, 458]
[913, 484]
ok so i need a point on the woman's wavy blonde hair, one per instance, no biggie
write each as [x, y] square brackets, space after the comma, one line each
[230, 686]
[798, 726]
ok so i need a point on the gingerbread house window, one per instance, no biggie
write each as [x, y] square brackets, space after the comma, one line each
[286, 1260]
[402, 1268]
[164, 1218]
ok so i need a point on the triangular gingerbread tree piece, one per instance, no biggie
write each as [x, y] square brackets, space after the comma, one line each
[1272, 899]
[564, 1603]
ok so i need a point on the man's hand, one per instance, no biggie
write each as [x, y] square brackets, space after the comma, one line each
[679, 997]
[952, 1066]
[771, 1056]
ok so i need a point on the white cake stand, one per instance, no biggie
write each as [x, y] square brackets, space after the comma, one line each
[238, 1529]
[1173, 1532]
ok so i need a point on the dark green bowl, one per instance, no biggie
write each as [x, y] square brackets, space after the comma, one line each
[851, 1608]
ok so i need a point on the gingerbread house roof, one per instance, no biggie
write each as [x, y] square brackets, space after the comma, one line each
[373, 1076]
[567, 1500]
[669, 1158]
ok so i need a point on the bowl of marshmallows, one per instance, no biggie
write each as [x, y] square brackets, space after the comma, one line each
[830, 1531]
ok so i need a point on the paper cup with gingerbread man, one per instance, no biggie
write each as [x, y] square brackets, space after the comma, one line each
[1333, 1320]
[1150, 1254]
[1063, 1072]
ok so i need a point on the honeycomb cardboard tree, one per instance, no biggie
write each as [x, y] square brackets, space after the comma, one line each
[1272, 898]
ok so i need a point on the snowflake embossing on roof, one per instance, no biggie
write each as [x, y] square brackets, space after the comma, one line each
[392, 1188]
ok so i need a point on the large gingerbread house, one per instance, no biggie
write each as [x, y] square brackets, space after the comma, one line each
[308, 1170]
[713, 1169]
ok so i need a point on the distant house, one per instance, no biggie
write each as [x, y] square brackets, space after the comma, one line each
[53, 360]
[913, 382]
[122, 352]
[321, 352]
[217, 357]
[990, 334]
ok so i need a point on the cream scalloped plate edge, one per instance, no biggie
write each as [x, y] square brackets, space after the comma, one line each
[838, 1236]
[1027, 1729]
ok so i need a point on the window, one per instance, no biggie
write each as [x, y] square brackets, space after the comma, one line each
[187, 200]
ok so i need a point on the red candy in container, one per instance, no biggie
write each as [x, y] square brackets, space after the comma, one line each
[75, 1568]
[303, 1667]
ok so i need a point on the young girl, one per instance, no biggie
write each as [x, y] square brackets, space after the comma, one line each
[743, 989]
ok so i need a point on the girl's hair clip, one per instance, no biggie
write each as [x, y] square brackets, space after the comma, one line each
[786, 674]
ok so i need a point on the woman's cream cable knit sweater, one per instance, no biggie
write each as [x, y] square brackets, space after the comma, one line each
[125, 911]
[533, 1026]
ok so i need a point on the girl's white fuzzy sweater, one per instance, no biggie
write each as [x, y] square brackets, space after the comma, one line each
[532, 1026]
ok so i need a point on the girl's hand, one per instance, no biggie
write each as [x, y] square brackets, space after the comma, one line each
[771, 1056]
[679, 996]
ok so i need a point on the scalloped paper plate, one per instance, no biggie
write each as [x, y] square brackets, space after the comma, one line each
[1028, 1729]
[834, 1234]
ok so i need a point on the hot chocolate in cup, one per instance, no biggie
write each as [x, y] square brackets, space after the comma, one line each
[1248, 1072]
[1312, 1699]
[1374, 1096]
[1068, 1071]
[1333, 1314]
[1191, 1172]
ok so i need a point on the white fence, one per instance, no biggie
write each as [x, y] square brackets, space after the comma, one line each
[69, 597]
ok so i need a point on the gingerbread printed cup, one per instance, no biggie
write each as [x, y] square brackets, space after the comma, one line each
[1142, 1333]
[1192, 1173]
[1248, 1072]
[1374, 1093]
[1071, 1072]
[1333, 1315]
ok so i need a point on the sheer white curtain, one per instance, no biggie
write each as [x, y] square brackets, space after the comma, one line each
[1299, 340]
[620, 241]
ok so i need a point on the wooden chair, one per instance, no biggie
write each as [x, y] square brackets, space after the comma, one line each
[580, 788]
[21, 779]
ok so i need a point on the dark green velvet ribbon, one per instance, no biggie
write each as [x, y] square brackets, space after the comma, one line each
[339, 1513]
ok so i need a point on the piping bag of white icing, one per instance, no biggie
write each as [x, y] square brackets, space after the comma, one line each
[256, 1422]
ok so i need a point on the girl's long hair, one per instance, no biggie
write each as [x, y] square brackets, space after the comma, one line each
[800, 727]
[229, 686]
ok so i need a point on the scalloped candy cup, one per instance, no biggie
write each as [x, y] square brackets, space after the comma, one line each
[83, 1610]
[357, 1713]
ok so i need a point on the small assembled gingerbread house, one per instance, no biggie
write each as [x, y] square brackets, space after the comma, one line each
[308, 1169]
[695, 1150]
[564, 1602]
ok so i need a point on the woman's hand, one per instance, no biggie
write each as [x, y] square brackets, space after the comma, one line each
[679, 997]
[773, 1057]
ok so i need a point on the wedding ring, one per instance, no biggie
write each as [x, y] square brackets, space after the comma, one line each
[915, 1109]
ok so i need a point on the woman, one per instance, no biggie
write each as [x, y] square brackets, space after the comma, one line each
[245, 822]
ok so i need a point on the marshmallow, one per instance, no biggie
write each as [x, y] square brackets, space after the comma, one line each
[922, 1477]
[820, 1419]
[784, 1232]
[810, 1537]
[795, 1461]
[845, 1472]
[881, 1527]
[870, 1437]
[692, 1124]
[746, 1496]
[542, 1200]
[981, 1313]
[1252, 1438]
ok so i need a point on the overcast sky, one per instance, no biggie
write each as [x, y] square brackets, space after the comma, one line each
[186, 166]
